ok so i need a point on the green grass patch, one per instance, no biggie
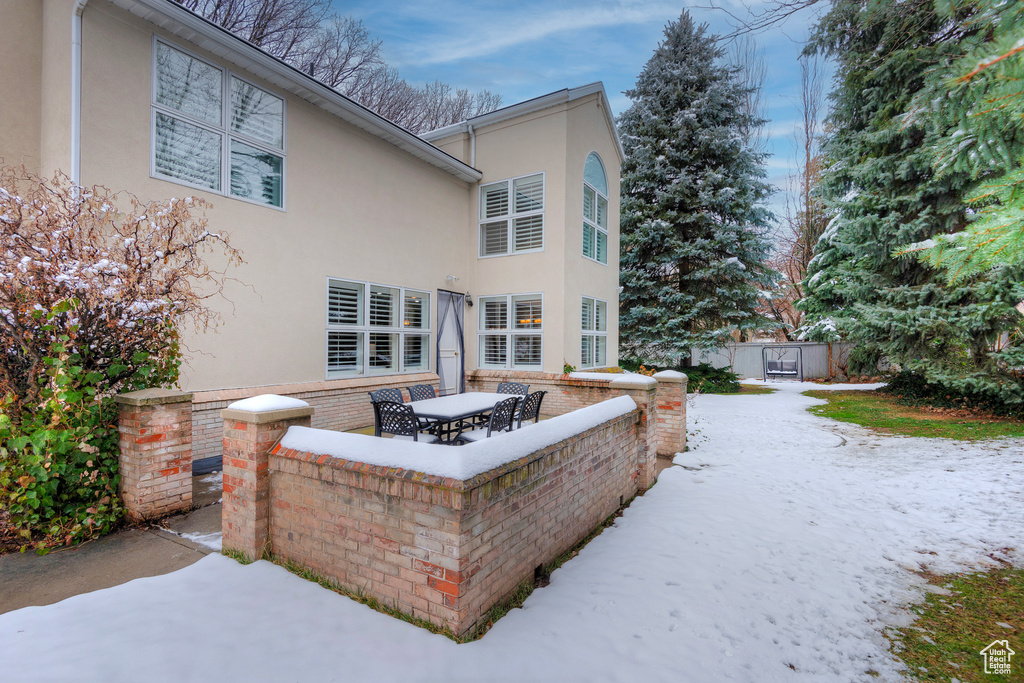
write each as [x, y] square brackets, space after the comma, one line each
[946, 639]
[513, 601]
[748, 389]
[883, 413]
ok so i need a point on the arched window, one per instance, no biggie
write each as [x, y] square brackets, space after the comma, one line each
[595, 210]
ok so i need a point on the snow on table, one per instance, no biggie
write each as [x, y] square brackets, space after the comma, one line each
[777, 550]
[457, 405]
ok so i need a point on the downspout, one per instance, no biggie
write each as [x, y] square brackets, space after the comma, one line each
[472, 144]
[76, 91]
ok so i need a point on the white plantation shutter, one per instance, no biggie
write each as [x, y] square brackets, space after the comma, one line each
[187, 85]
[383, 306]
[588, 203]
[529, 194]
[256, 113]
[494, 200]
[494, 314]
[344, 303]
[493, 238]
[586, 352]
[600, 351]
[494, 350]
[587, 321]
[588, 240]
[527, 313]
[344, 351]
[512, 216]
[527, 351]
[529, 233]
[601, 317]
[416, 313]
[187, 152]
[602, 212]
[602, 247]
[256, 174]
[414, 353]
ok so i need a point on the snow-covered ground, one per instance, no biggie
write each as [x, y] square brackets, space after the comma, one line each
[776, 551]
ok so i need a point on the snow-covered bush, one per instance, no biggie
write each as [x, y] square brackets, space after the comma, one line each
[93, 290]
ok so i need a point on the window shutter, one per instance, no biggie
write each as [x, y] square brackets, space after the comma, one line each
[495, 315]
[529, 233]
[417, 310]
[588, 240]
[602, 212]
[383, 352]
[414, 355]
[494, 238]
[586, 351]
[186, 152]
[527, 314]
[188, 85]
[383, 306]
[256, 113]
[587, 322]
[493, 350]
[588, 203]
[529, 194]
[494, 200]
[602, 246]
[343, 304]
[527, 350]
[601, 316]
[600, 351]
[344, 352]
[256, 174]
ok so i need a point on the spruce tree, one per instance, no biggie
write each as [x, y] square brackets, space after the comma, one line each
[694, 236]
[883, 192]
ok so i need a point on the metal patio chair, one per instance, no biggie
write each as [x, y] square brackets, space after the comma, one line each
[421, 392]
[530, 409]
[395, 418]
[513, 388]
[393, 395]
[501, 420]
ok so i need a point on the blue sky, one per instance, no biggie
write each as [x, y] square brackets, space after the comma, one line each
[530, 48]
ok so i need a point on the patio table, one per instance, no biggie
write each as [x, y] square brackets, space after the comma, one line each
[451, 412]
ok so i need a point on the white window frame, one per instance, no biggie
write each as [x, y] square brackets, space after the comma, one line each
[510, 332]
[590, 336]
[364, 329]
[594, 223]
[511, 216]
[223, 129]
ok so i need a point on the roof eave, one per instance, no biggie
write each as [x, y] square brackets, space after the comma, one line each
[197, 30]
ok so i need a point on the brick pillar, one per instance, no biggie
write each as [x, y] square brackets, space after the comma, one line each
[248, 437]
[671, 399]
[643, 394]
[155, 427]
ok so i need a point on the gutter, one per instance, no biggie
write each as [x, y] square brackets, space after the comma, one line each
[76, 91]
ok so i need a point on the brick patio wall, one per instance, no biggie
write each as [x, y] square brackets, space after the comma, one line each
[444, 549]
[340, 405]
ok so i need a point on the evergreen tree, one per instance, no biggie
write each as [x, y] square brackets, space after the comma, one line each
[694, 237]
[982, 92]
[881, 188]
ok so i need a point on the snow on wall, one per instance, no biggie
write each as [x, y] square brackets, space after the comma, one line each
[457, 462]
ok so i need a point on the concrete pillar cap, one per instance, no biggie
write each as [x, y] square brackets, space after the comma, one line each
[152, 397]
[670, 376]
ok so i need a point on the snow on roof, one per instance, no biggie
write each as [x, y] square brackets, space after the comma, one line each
[456, 462]
[267, 402]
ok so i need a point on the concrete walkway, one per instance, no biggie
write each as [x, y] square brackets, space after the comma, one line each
[27, 579]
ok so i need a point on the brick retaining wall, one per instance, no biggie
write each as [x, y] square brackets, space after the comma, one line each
[439, 548]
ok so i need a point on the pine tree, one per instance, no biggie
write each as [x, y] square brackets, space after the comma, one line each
[982, 93]
[881, 187]
[694, 237]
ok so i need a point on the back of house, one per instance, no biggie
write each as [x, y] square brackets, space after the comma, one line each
[373, 257]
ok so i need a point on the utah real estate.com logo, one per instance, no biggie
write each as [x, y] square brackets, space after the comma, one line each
[997, 657]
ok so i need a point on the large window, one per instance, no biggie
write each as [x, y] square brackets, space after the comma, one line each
[511, 331]
[376, 329]
[594, 344]
[595, 210]
[512, 216]
[214, 130]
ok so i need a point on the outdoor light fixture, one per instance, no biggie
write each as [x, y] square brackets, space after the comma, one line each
[449, 278]
[469, 299]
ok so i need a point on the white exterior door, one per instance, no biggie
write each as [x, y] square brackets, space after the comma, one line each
[450, 348]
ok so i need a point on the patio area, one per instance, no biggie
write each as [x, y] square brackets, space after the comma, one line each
[752, 559]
